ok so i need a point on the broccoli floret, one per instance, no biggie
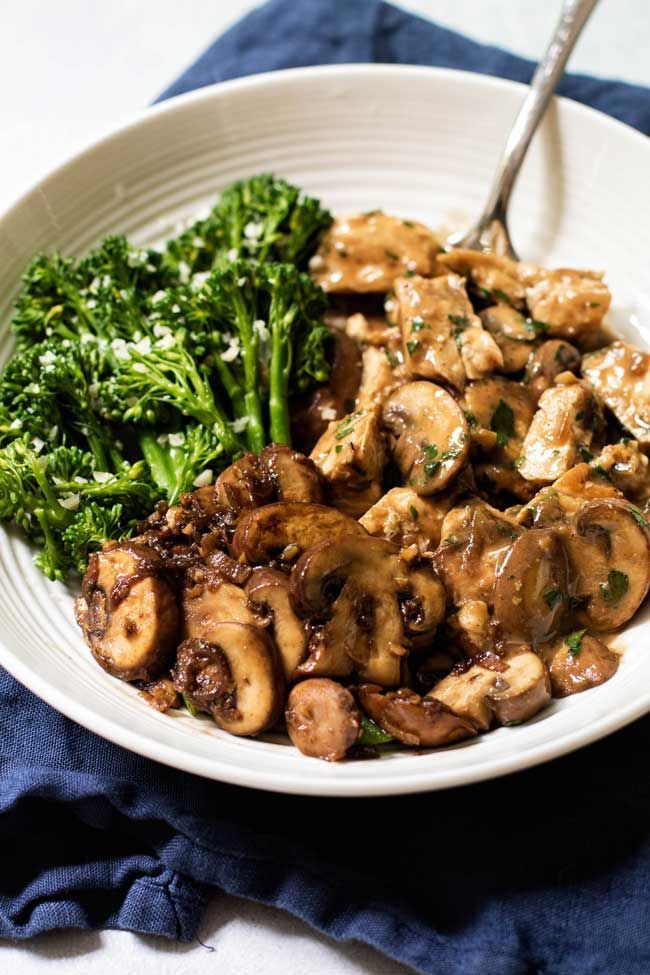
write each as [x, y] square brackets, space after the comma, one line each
[263, 218]
[29, 406]
[177, 459]
[90, 528]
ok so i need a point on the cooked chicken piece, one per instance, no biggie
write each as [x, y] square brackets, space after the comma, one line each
[209, 599]
[512, 332]
[577, 662]
[269, 592]
[609, 553]
[562, 427]
[475, 538]
[351, 456]
[236, 677]
[514, 691]
[128, 611]
[480, 353]
[367, 329]
[431, 312]
[414, 720]
[531, 590]
[280, 532]
[547, 362]
[620, 374]
[367, 252]
[561, 501]
[627, 468]
[378, 378]
[428, 435]
[407, 518]
[313, 410]
[493, 278]
[470, 627]
[571, 304]
[323, 719]
[499, 412]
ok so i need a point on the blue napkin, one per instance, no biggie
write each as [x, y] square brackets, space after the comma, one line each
[547, 871]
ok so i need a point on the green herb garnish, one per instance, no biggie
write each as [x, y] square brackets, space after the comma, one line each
[615, 588]
[574, 642]
[503, 423]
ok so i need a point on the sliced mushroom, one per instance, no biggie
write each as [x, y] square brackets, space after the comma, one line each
[513, 693]
[493, 278]
[407, 518]
[269, 592]
[283, 530]
[240, 487]
[414, 720]
[380, 376]
[331, 401]
[620, 374]
[429, 437]
[531, 590]
[236, 677]
[562, 427]
[322, 718]
[475, 537]
[365, 253]
[512, 332]
[577, 662]
[130, 617]
[351, 457]
[547, 362]
[354, 588]
[208, 600]
[571, 304]
[609, 553]
[431, 312]
[294, 476]
[161, 695]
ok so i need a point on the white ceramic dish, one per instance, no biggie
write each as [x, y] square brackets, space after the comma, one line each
[419, 142]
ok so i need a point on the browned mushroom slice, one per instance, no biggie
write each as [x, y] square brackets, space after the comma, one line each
[286, 528]
[313, 410]
[531, 591]
[512, 332]
[577, 662]
[161, 695]
[547, 362]
[429, 437]
[351, 457]
[561, 431]
[294, 476]
[423, 607]
[610, 559]
[431, 312]
[380, 376]
[571, 304]
[493, 278]
[353, 586]
[365, 253]
[414, 720]
[269, 591]
[518, 690]
[407, 518]
[240, 486]
[475, 536]
[627, 468]
[620, 374]
[236, 677]
[131, 617]
[322, 719]
[209, 599]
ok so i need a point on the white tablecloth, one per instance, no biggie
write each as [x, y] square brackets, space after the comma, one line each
[71, 70]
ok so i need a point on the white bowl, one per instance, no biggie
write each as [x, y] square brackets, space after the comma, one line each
[419, 142]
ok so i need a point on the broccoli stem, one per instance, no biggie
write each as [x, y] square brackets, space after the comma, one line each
[280, 370]
[160, 462]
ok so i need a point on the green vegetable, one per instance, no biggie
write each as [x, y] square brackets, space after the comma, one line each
[552, 597]
[413, 511]
[431, 463]
[372, 734]
[574, 642]
[503, 422]
[615, 588]
[638, 516]
[188, 705]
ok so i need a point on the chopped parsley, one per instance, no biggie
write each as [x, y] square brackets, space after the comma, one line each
[600, 472]
[539, 328]
[408, 223]
[449, 454]
[188, 704]
[471, 419]
[391, 255]
[393, 361]
[338, 448]
[585, 453]
[518, 462]
[417, 324]
[496, 294]
[412, 345]
[413, 511]
[638, 516]
[615, 588]
[451, 540]
[561, 354]
[503, 423]
[346, 426]
[460, 321]
[431, 462]
[593, 304]
[370, 733]
[552, 597]
[574, 641]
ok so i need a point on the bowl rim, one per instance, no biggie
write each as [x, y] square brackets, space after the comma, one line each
[320, 781]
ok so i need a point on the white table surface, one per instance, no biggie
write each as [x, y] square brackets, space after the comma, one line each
[69, 72]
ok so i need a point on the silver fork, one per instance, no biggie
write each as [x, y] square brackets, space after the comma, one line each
[490, 232]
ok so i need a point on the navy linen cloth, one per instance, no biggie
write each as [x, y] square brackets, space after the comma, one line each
[543, 873]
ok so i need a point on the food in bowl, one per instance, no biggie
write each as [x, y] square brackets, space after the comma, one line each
[327, 470]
